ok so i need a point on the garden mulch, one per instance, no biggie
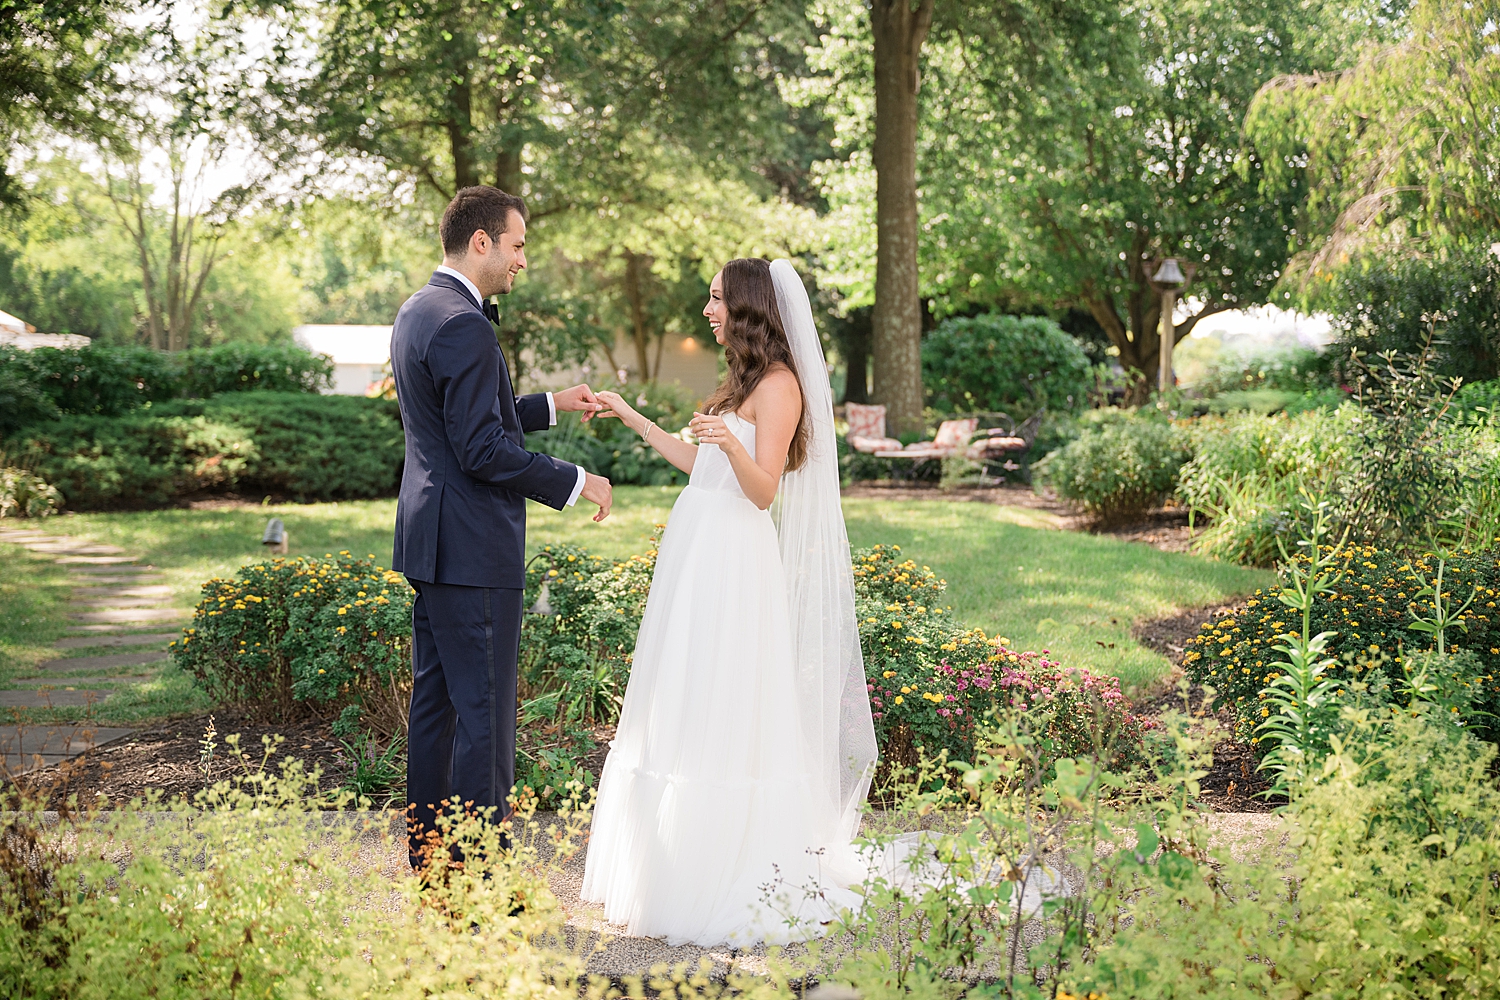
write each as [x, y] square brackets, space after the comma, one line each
[167, 757]
[1232, 784]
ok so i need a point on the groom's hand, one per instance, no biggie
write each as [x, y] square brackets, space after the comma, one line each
[596, 489]
[580, 397]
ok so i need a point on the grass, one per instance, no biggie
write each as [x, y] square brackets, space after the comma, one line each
[1010, 570]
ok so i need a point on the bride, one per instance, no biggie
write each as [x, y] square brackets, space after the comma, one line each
[733, 787]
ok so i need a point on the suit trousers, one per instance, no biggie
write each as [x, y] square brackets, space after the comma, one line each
[461, 743]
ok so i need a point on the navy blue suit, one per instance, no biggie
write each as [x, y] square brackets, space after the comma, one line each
[461, 542]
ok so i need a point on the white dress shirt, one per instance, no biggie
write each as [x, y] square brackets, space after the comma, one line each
[551, 403]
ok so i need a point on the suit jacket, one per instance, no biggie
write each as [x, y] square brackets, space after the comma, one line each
[461, 516]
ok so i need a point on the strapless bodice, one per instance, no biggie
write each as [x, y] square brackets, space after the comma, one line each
[711, 469]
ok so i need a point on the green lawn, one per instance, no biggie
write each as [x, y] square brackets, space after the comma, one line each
[1009, 570]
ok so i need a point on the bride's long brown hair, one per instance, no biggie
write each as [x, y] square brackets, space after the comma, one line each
[754, 343]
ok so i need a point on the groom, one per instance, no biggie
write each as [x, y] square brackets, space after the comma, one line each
[461, 517]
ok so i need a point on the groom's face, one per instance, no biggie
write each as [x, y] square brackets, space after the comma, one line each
[505, 256]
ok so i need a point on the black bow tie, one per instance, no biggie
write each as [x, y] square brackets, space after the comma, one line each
[491, 312]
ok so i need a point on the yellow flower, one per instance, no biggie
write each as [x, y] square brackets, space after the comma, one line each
[343, 611]
[898, 699]
[895, 624]
[905, 689]
[889, 674]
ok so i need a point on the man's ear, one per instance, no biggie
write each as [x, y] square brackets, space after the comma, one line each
[478, 242]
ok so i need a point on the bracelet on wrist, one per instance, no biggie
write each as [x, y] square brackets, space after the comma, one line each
[646, 431]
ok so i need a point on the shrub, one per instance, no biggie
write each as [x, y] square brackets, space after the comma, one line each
[1388, 303]
[1119, 469]
[310, 447]
[102, 462]
[304, 633]
[49, 382]
[25, 494]
[1249, 474]
[997, 362]
[1479, 402]
[1301, 370]
[251, 890]
[1375, 601]
[313, 447]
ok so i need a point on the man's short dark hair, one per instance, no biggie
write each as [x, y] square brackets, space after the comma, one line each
[473, 208]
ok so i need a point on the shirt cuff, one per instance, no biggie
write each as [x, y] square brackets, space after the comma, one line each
[582, 475]
[551, 411]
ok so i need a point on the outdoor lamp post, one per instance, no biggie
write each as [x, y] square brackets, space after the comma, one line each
[1168, 280]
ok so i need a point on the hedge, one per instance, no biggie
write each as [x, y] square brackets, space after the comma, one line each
[48, 383]
[305, 446]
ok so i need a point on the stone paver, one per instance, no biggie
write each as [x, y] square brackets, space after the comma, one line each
[95, 560]
[157, 590]
[70, 681]
[113, 602]
[123, 615]
[75, 548]
[116, 569]
[94, 582]
[57, 697]
[159, 639]
[111, 662]
[26, 747]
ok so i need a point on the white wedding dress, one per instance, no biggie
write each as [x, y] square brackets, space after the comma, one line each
[732, 789]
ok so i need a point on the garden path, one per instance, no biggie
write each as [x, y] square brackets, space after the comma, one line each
[115, 603]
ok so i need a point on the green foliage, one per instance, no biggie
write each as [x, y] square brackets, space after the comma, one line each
[1389, 303]
[299, 444]
[1479, 402]
[1390, 151]
[1118, 469]
[934, 683]
[1301, 370]
[995, 362]
[25, 494]
[313, 447]
[1386, 887]
[1406, 473]
[253, 889]
[1299, 702]
[1249, 474]
[1045, 176]
[320, 633]
[131, 461]
[1377, 596]
[109, 381]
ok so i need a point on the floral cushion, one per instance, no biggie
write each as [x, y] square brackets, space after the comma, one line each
[870, 445]
[865, 421]
[954, 434]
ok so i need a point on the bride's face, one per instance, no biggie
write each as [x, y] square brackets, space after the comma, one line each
[716, 311]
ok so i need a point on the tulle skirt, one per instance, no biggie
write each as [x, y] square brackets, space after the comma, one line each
[711, 825]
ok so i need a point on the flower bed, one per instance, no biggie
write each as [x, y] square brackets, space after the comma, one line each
[333, 636]
[1369, 612]
[305, 633]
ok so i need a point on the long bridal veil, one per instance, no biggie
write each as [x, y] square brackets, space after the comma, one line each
[834, 702]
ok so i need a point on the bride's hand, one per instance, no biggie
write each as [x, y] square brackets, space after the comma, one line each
[619, 408]
[709, 428]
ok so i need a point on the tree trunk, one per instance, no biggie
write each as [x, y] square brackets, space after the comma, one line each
[854, 344]
[508, 171]
[900, 28]
[460, 122]
[638, 333]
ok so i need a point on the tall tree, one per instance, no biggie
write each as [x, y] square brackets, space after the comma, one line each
[899, 28]
[1402, 148]
[57, 67]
